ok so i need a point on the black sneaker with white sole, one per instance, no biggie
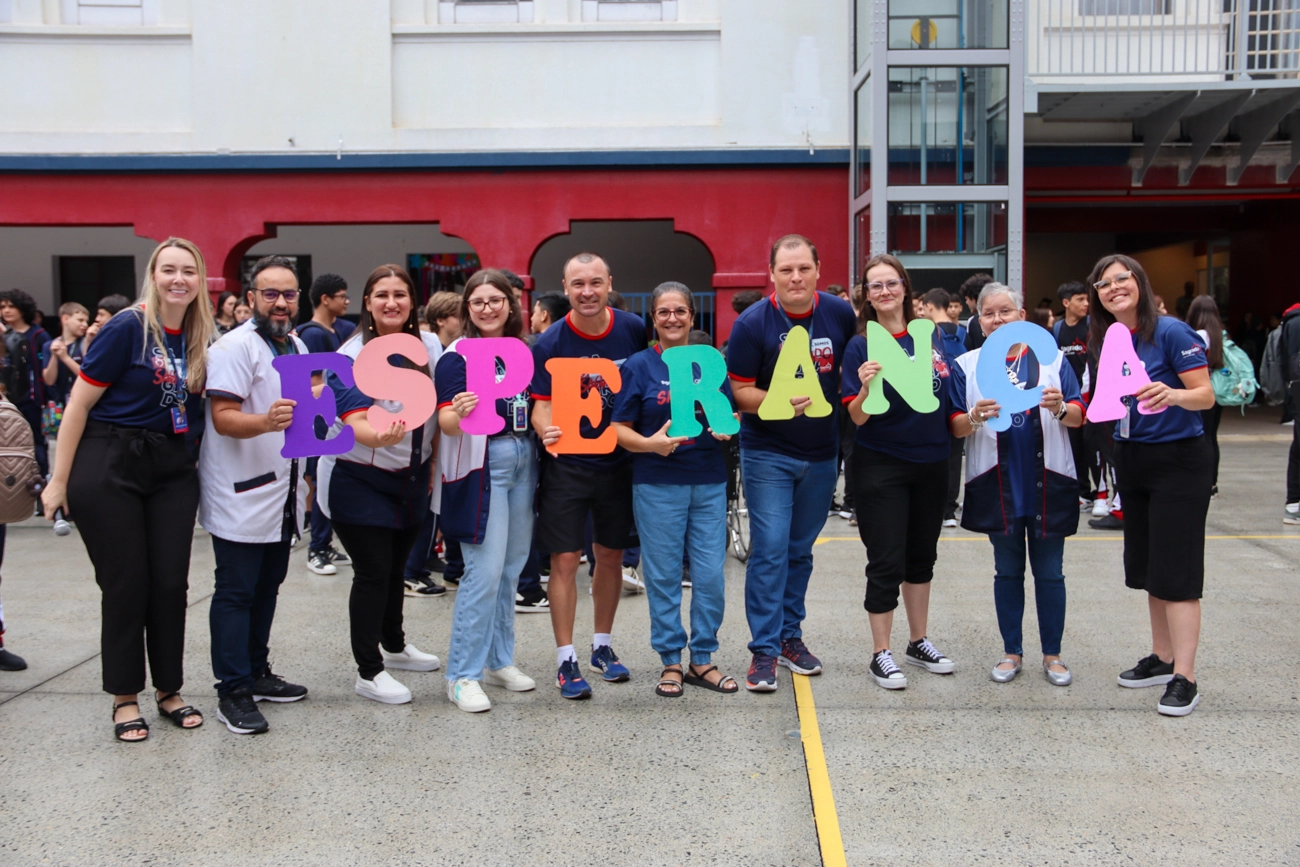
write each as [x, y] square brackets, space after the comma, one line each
[240, 714]
[1148, 672]
[1180, 698]
[926, 655]
[337, 557]
[269, 686]
[423, 587]
[886, 671]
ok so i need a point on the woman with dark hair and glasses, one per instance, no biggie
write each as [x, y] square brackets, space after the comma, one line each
[679, 496]
[486, 502]
[376, 495]
[900, 477]
[1164, 470]
[1203, 317]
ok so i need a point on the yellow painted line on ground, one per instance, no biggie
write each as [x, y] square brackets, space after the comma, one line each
[819, 777]
[1116, 537]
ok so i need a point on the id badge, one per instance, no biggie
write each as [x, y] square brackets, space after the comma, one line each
[180, 422]
[519, 408]
[1124, 421]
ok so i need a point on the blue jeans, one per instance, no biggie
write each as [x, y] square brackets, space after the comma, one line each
[787, 509]
[248, 579]
[322, 534]
[667, 516]
[1045, 557]
[483, 625]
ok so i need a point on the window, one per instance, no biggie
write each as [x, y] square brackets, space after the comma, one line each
[629, 10]
[1125, 7]
[86, 279]
[109, 13]
[485, 11]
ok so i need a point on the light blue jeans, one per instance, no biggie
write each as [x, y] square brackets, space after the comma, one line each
[668, 516]
[787, 501]
[483, 625]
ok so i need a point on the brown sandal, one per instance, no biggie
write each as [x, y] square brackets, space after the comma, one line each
[662, 687]
[699, 679]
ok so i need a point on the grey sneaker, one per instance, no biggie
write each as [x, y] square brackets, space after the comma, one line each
[1290, 517]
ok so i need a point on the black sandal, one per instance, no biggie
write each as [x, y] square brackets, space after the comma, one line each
[698, 679]
[179, 715]
[131, 725]
[660, 687]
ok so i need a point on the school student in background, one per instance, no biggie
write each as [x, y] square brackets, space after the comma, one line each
[26, 349]
[62, 364]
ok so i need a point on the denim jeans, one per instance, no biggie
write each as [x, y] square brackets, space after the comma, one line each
[322, 533]
[243, 606]
[666, 517]
[787, 501]
[483, 625]
[1009, 587]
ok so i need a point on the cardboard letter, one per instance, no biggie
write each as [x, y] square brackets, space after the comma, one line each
[912, 378]
[481, 354]
[991, 369]
[795, 376]
[383, 381]
[569, 406]
[1116, 352]
[295, 384]
[686, 391]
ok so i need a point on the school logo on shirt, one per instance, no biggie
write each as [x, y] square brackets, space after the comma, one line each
[941, 371]
[823, 354]
[594, 381]
[172, 381]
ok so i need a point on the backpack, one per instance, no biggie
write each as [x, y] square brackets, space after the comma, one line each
[16, 368]
[1234, 384]
[20, 477]
[953, 344]
[1271, 376]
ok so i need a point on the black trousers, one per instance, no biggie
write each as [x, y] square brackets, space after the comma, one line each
[134, 494]
[956, 448]
[375, 605]
[900, 516]
[2, 607]
[1087, 463]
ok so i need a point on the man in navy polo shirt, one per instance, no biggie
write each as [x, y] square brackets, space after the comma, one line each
[789, 466]
[574, 486]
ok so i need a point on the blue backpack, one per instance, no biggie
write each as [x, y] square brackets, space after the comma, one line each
[1234, 383]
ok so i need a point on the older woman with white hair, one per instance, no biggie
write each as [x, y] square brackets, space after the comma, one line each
[1021, 486]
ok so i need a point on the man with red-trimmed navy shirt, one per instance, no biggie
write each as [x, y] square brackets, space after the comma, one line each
[788, 466]
[575, 486]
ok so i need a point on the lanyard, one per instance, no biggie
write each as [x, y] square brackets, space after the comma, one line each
[789, 324]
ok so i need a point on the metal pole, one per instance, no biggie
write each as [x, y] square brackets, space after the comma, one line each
[925, 158]
[1242, 22]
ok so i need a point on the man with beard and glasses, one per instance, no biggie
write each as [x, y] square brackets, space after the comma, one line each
[251, 497]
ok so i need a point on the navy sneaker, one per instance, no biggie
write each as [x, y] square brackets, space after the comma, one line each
[569, 681]
[798, 658]
[604, 660]
[762, 674]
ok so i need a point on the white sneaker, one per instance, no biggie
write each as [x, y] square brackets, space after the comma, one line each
[1100, 508]
[384, 688]
[950, 522]
[411, 659]
[511, 678]
[631, 582]
[1085, 505]
[468, 695]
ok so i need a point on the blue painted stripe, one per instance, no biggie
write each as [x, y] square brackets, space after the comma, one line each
[732, 157]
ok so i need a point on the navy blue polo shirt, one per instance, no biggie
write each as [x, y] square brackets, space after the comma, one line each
[144, 383]
[1175, 349]
[625, 337]
[902, 431]
[645, 403]
[752, 351]
[449, 376]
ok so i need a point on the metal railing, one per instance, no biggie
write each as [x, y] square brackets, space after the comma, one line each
[1178, 40]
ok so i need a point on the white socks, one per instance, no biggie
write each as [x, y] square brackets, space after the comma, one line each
[565, 654]
[599, 640]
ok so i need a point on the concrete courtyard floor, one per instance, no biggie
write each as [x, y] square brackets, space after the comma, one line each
[954, 770]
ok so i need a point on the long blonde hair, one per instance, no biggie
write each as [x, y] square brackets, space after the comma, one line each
[198, 325]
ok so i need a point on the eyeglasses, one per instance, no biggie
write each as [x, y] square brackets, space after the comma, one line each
[670, 312]
[1121, 277]
[495, 303]
[270, 296]
[891, 285]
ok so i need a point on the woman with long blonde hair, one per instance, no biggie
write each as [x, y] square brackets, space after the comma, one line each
[126, 473]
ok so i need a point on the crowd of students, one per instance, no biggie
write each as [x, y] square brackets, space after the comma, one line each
[142, 454]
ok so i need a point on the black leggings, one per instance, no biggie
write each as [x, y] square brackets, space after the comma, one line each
[1210, 420]
[900, 517]
[375, 606]
[134, 494]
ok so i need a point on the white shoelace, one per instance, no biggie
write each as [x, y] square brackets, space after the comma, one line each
[888, 667]
[928, 650]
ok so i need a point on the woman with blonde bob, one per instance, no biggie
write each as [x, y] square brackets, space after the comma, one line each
[126, 473]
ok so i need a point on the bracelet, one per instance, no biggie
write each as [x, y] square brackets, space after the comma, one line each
[974, 423]
[1060, 413]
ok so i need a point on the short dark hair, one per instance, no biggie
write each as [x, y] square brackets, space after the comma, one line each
[512, 278]
[113, 304]
[1066, 291]
[24, 303]
[556, 304]
[265, 264]
[745, 299]
[974, 283]
[837, 290]
[937, 298]
[326, 284]
[791, 242]
[699, 338]
[616, 300]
